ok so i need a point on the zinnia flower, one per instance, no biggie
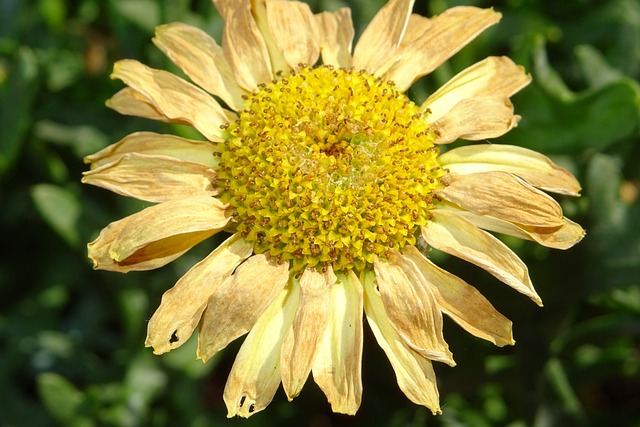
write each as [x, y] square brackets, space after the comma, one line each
[328, 179]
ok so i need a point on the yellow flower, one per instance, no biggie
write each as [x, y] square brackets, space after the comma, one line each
[327, 178]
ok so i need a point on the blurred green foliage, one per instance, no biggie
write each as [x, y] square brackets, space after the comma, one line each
[72, 339]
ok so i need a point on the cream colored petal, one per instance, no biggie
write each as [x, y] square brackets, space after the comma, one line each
[167, 228]
[150, 143]
[181, 307]
[453, 234]
[535, 168]
[376, 48]
[235, 305]
[474, 119]
[336, 37]
[442, 37]
[200, 57]
[295, 31]
[496, 76]
[411, 308]
[414, 373]
[131, 103]
[243, 44]
[153, 178]
[503, 196]
[337, 367]
[174, 97]
[462, 302]
[255, 375]
[308, 327]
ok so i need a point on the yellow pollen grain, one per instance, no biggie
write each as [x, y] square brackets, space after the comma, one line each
[328, 167]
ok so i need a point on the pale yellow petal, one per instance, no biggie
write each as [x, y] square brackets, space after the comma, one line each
[174, 97]
[295, 31]
[442, 37]
[495, 76]
[376, 48]
[336, 37]
[308, 327]
[538, 170]
[200, 57]
[475, 119]
[235, 305]
[181, 306]
[129, 102]
[411, 308]
[153, 178]
[337, 367]
[414, 373]
[453, 234]
[462, 302]
[504, 196]
[255, 375]
[150, 143]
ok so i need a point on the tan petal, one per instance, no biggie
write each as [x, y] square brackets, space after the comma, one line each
[462, 302]
[255, 375]
[153, 178]
[411, 308]
[377, 46]
[336, 36]
[474, 119]
[308, 327]
[442, 37]
[235, 305]
[175, 98]
[294, 30]
[503, 196]
[243, 44]
[181, 307]
[337, 366]
[538, 170]
[414, 373]
[494, 76]
[200, 57]
[456, 236]
[131, 103]
[150, 143]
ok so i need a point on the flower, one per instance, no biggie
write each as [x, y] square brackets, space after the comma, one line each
[328, 180]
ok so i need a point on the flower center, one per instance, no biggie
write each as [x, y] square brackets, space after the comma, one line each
[328, 167]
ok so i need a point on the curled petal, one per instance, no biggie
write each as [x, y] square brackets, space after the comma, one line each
[129, 102]
[295, 31]
[336, 36]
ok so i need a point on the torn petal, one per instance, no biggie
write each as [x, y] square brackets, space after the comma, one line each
[336, 37]
[295, 31]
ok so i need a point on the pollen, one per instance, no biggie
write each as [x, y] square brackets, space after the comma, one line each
[328, 167]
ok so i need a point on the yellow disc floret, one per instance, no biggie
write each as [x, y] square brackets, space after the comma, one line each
[328, 167]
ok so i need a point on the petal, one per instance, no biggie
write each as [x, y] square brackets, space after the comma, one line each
[414, 373]
[495, 76]
[174, 97]
[132, 103]
[181, 307]
[295, 31]
[538, 170]
[308, 327]
[451, 233]
[474, 119]
[462, 302]
[411, 308]
[336, 36]
[503, 196]
[153, 178]
[442, 37]
[235, 305]
[337, 366]
[378, 43]
[200, 57]
[150, 143]
[255, 375]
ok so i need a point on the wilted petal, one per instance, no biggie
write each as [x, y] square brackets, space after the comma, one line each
[414, 373]
[181, 307]
[336, 36]
[294, 30]
[129, 102]
[235, 305]
[337, 366]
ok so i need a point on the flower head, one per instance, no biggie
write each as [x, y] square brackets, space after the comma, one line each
[328, 179]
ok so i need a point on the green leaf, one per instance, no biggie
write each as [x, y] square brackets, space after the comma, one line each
[60, 209]
[62, 399]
